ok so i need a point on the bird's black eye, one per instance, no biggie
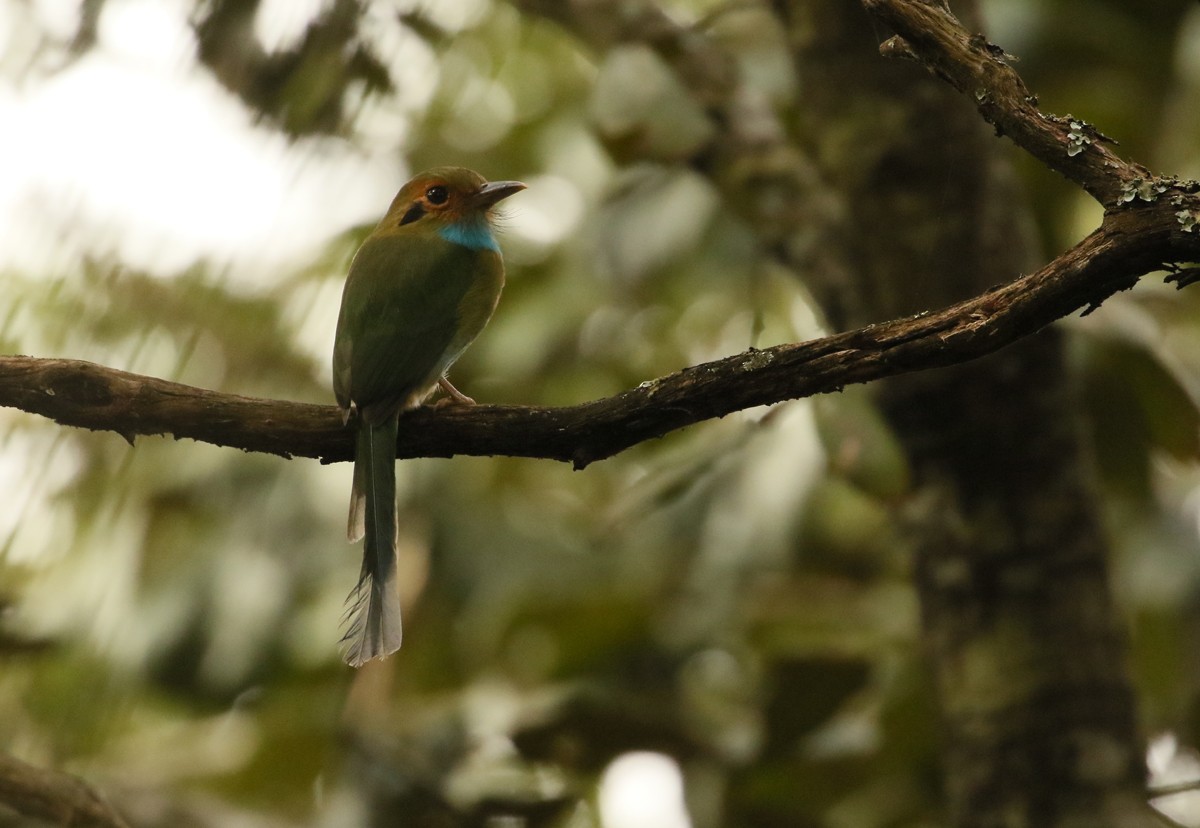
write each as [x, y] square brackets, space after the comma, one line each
[437, 195]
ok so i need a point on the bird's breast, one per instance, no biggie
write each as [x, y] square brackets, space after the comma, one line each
[479, 301]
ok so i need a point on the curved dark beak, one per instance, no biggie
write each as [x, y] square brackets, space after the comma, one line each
[494, 191]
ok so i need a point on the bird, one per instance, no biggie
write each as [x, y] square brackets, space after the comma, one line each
[419, 290]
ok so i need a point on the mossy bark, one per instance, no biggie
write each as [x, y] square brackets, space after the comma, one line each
[1023, 640]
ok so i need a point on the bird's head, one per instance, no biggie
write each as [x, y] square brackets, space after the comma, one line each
[455, 201]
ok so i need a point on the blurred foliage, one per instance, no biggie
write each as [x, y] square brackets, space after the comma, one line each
[302, 89]
[734, 596]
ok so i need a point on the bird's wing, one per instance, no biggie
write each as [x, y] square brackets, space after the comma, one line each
[400, 316]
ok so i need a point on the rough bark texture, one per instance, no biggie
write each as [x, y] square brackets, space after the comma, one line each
[1023, 641]
[1024, 644]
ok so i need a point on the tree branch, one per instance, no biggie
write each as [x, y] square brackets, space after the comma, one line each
[1150, 223]
[929, 34]
[1130, 243]
[56, 797]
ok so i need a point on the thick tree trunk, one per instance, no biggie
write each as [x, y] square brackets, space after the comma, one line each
[1022, 637]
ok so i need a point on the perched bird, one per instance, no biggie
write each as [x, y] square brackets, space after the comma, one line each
[420, 289]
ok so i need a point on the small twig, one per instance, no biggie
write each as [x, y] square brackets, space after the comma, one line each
[1182, 277]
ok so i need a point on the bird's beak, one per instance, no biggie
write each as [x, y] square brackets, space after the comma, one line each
[493, 191]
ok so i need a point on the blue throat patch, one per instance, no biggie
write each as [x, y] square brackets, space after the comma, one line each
[475, 235]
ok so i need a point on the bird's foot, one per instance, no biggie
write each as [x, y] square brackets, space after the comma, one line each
[453, 395]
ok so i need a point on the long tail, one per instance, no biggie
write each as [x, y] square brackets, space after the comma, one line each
[373, 613]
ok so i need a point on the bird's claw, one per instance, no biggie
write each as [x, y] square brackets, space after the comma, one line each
[453, 395]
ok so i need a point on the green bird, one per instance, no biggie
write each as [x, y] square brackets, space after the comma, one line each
[420, 289]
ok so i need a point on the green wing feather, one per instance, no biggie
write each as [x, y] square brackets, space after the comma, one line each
[409, 303]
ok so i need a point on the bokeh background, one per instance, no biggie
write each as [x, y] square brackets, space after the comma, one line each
[722, 615]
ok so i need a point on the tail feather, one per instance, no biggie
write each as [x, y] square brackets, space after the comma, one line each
[372, 619]
[356, 525]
